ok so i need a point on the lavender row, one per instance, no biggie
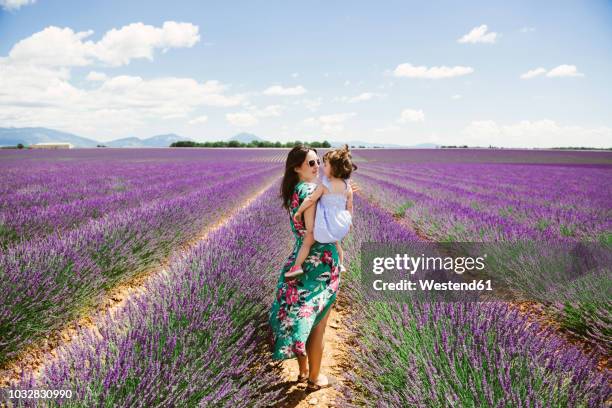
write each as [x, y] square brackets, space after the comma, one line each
[24, 186]
[23, 224]
[425, 354]
[441, 220]
[566, 157]
[550, 220]
[46, 282]
[192, 338]
[559, 187]
[583, 308]
[444, 216]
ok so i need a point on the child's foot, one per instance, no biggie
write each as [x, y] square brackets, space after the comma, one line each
[342, 268]
[294, 271]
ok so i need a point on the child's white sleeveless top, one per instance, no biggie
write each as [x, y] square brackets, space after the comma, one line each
[332, 220]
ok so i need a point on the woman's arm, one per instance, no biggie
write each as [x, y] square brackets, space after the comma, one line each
[308, 202]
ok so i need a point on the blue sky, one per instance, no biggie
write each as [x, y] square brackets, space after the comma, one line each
[521, 73]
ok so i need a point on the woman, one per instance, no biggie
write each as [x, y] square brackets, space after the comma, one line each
[299, 313]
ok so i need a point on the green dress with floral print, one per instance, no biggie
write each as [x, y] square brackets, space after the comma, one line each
[301, 303]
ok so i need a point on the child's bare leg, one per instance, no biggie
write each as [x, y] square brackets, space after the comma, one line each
[309, 216]
[308, 240]
[340, 252]
[305, 249]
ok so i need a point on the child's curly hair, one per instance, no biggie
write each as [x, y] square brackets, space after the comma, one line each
[341, 162]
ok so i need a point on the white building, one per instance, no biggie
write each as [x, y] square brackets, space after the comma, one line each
[53, 145]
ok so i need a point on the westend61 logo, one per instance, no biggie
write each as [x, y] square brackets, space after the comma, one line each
[474, 271]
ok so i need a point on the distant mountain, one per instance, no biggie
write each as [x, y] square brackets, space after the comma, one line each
[163, 140]
[31, 135]
[125, 142]
[154, 141]
[246, 138]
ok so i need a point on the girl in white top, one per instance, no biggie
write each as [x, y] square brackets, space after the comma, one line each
[334, 198]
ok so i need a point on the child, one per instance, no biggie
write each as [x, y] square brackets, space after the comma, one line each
[334, 207]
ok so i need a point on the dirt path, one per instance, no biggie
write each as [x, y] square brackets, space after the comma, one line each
[335, 358]
[34, 357]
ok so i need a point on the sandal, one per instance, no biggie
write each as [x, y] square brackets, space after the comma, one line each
[313, 386]
[294, 271]
[301, 379]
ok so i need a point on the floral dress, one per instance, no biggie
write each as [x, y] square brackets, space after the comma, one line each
[301, 303]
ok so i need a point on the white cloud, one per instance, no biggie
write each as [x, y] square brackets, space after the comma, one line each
[272, 110]
[532, 73]
[199, 120]
[43, 96]
[539, 133]
[252, 115]
[268, 111]
[336, 117]
[457, 96]
[278, 90]
[557, 72]
[9, 5]
[527, 29]
[310, 104]
[478, 35]
[411, 115]
[333, 123]
[96, 76]
[385, 129]
[62, 47]
[411, 71]
[365, 96]
[35, 78]
[295, 75]
[138, 40]
[241, 119]
[54, 47]
[135, 91]
[564, 71]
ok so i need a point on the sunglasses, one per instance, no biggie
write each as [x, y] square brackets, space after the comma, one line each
[311, 163]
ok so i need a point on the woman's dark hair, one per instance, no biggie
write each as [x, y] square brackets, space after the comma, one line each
[295, 158]
[341, 162]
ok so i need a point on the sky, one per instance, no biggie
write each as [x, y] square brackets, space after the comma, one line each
[511, 74]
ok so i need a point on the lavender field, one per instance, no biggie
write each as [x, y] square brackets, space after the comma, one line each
[75, 224]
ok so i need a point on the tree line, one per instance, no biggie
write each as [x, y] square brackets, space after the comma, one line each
[254, 143]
